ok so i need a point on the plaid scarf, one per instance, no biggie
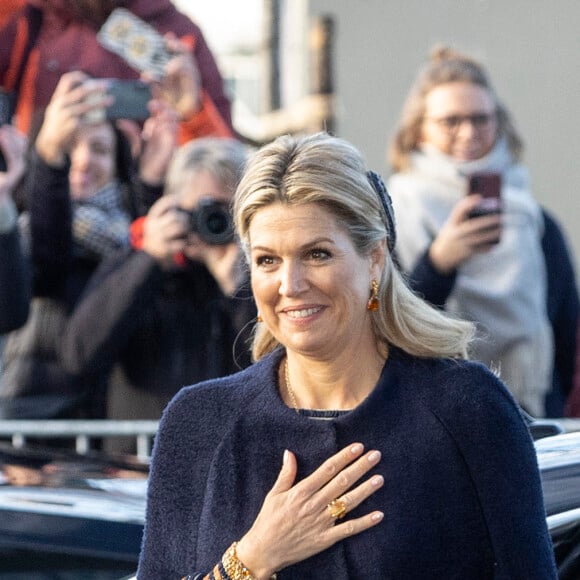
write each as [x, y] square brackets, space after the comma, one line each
[100, 223]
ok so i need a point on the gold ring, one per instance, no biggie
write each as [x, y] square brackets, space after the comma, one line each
[337, 509]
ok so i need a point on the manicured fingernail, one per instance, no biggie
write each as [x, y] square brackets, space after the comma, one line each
[374, 456]
[356, 448]
[285, 457]
[377, 516]
[377, 480]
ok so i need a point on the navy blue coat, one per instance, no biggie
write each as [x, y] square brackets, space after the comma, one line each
[461, 497]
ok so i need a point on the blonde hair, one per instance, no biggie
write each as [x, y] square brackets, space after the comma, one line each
[330, 171]
[445, 65]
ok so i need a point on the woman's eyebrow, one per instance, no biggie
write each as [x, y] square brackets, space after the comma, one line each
[306, 245]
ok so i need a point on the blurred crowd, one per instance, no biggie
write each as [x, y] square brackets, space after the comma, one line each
[120, 279]
[120, 276]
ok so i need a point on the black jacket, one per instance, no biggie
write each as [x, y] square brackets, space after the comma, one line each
[15, 287]
[161, 330]
[34, 384]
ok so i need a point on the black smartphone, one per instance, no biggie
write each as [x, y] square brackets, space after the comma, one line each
[488, 185]
[131, 100]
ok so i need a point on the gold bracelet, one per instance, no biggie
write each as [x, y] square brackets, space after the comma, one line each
[235, 568]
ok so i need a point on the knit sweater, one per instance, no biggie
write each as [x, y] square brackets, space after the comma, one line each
[461, 495]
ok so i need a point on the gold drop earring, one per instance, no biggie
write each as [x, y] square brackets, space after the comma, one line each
[373, 303]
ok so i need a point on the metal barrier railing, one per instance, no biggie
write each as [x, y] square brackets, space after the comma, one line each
[82, 431]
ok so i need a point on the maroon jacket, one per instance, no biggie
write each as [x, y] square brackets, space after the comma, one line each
[66, 43]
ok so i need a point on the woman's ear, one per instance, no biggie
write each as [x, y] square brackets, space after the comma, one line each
[377, 258]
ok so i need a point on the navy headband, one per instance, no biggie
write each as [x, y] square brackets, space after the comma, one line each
[379, 186]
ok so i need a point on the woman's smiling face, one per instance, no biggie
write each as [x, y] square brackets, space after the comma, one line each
[92, 160]
[460, 120]
[310, 284]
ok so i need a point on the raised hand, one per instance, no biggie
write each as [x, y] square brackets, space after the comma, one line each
[462, 236]
[165, 230]
[181, 85]
[73, 103]
[225, 262]
[159, 139]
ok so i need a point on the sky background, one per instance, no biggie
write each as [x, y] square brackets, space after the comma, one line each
[226, 24]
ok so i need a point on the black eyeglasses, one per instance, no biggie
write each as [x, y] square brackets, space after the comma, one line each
[452, 123]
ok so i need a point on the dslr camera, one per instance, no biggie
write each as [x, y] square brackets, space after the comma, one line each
[211, 220]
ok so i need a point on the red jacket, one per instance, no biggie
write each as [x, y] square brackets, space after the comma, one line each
[8, 8]
[64, 44]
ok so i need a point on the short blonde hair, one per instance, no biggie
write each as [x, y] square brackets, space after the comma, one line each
[330, 171]
[445, 66]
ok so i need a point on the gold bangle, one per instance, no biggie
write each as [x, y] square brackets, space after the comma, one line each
[235, 568]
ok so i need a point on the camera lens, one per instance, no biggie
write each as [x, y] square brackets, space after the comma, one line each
[212, 222]
[216, 222]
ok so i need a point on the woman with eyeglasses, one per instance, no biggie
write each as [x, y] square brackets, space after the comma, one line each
[507, 268]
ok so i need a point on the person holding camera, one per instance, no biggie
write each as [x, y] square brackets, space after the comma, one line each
[169, 310]
[510, 272]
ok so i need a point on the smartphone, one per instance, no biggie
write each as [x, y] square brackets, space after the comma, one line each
[488, 185]
[135, 41]
[131, 99]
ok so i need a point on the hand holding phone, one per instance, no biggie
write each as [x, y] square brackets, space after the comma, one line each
[136, 42]
[488, 185]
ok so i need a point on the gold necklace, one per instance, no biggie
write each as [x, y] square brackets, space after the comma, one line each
[289, 388]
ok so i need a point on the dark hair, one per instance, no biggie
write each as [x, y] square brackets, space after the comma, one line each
[126, 171]
[125, 165]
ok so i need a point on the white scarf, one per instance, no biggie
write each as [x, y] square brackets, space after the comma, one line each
[503, 290]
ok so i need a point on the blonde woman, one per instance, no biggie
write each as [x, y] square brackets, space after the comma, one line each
[361, 444]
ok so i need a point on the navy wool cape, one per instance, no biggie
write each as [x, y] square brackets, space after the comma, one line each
[462, 495]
